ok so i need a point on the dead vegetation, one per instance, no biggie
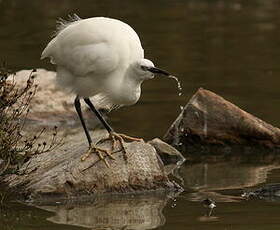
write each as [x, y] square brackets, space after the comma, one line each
[16, 146]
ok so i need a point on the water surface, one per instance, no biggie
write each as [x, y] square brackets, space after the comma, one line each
[229, 47]
[222, 182]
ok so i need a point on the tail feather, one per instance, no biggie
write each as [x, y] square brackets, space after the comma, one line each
[61, 23]
[49, 51]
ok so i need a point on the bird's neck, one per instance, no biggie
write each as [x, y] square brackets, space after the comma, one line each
[130, 88]
[132, 80]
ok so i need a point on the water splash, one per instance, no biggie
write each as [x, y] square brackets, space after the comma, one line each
[178, 84]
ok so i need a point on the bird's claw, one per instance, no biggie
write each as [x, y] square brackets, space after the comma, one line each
[99, 152]
[120, 137]
[114, 137]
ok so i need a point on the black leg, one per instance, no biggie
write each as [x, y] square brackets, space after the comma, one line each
[98, 114]
[79, 111]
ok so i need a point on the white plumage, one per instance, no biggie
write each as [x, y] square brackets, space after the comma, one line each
[99, 56]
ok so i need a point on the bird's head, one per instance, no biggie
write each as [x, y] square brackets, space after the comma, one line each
[146, 69]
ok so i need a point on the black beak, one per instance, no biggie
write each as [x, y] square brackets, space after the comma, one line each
[158, 71]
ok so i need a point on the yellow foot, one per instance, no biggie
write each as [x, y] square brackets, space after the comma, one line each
[98, 151]
[128, 138]
[114, 137]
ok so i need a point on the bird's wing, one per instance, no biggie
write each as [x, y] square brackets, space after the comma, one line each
[98, 58]
[82, 51]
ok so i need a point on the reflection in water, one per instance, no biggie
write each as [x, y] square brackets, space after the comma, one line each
[207, 179]
[226, 175]
[230, 47]
[270, 192]
[208, 218]
[144, 212]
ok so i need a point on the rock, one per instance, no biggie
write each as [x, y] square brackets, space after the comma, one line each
[208, 121]
[61, 174]
[170, 157]
[50, 103]
[168, 154]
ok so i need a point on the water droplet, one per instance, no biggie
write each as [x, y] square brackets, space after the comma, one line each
[178, 84]
[181, 107]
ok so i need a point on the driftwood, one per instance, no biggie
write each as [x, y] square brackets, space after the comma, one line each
[209, 122]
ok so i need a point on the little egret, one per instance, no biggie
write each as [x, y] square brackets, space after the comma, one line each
[100, 56]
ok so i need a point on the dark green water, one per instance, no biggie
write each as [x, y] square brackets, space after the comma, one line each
[222, 182]
[229, 47]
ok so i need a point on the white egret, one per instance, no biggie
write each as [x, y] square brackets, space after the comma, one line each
[100, 56]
